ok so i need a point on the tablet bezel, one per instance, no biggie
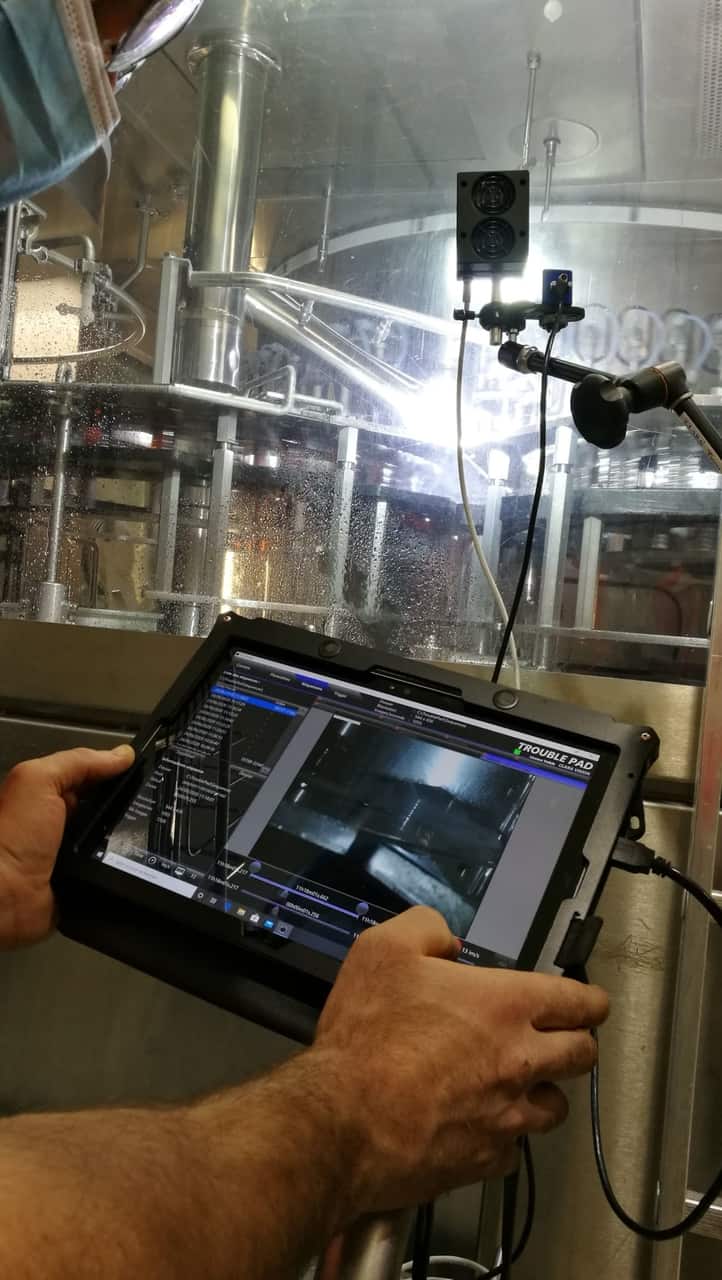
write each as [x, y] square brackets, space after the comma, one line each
[278, 982]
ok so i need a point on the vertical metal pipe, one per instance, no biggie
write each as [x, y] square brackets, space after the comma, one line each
[480, 607]
[57, 506]
[146, 211]
[167, 530]
[555, 545]
[372, 1250]
[376, 561]
[221, 210]
[533, 62]
[587, 587]
[551, 146]
[325, 229]
[692, 958]
[7, 286]
[194, 513]
[219, 514]
[341, 514]
[496, 335]
[170, 279]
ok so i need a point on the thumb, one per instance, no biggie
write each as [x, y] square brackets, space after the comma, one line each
[68, 770]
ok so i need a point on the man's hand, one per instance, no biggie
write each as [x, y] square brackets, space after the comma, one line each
[440, 1067]
[422, 1076]
[36, 799]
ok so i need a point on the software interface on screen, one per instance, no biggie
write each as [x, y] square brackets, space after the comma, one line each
[312, 809]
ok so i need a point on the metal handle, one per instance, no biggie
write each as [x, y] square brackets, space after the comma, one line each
[372, 1250]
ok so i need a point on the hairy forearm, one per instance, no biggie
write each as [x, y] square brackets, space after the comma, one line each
[250, 1182]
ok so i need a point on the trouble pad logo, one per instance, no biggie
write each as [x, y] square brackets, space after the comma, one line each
[548, 755]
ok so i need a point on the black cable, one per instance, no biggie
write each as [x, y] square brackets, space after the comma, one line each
[508, 1222]
[536, 501]
[422, 1241]
[659, 867]
[530, 1210]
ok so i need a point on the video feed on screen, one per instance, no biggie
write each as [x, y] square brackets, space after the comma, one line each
[393, 820]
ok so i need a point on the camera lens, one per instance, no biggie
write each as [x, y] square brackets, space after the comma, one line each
[493, 193]
[493, 239]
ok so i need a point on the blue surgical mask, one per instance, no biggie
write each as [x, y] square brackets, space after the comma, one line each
[56, 101]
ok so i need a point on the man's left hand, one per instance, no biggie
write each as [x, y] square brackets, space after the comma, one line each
[36, 799]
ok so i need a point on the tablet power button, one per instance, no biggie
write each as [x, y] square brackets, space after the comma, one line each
[506, 699]
[329, 648]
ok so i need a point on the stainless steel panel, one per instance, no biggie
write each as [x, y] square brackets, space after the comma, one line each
[678, 1123]
[635, 959]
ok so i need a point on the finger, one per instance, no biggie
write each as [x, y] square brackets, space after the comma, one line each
[563, 1055]
[547, 1108]
[67, 770]
[420, 930]
[565, 1005]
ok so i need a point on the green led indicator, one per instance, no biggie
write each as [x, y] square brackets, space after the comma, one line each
[517, 751]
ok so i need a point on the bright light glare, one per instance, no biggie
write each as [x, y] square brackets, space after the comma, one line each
[430, 414]
[498, 465]
[530, 462]
[527, 287]
[228, 572]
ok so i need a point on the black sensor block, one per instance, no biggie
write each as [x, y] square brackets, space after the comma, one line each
[492, 223]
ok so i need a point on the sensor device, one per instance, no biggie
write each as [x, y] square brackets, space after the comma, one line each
[290, 794]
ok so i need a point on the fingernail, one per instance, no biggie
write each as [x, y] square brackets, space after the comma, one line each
[124, 750]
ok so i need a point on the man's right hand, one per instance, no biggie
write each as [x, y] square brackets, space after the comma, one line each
[440, 1067]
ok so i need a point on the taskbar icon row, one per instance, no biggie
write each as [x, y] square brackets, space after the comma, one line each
[246, 915]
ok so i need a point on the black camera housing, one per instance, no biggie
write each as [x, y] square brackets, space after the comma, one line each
[492, 222]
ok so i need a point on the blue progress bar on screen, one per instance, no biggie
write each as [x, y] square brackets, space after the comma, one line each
[250, 701]
[538, 773]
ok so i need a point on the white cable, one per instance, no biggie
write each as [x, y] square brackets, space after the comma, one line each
[474, 1269]
[479, 550]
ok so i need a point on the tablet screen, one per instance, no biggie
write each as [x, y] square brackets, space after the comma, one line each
[310, 809]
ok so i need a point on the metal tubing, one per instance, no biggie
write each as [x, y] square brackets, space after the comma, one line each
[57, 506]
[360, 368]
[551, 146]
[51, 602]
[222, 204]
[262, 281]
[341, 514]
[711, 1224]
[230, 400]
[372, 1250]
[533, 62]
[325, 226]
[171, 270]
[167, 530]
[141, 257]
[42, 254]
[587, 587]
[218, 517]
[377, 552]
[619, 637]
[686, 1027]
[480, 607]
[7, 286]
[63, 242]
[236, 602]
[555, 544]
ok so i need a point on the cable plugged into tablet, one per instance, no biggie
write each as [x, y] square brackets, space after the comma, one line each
[639, 859]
